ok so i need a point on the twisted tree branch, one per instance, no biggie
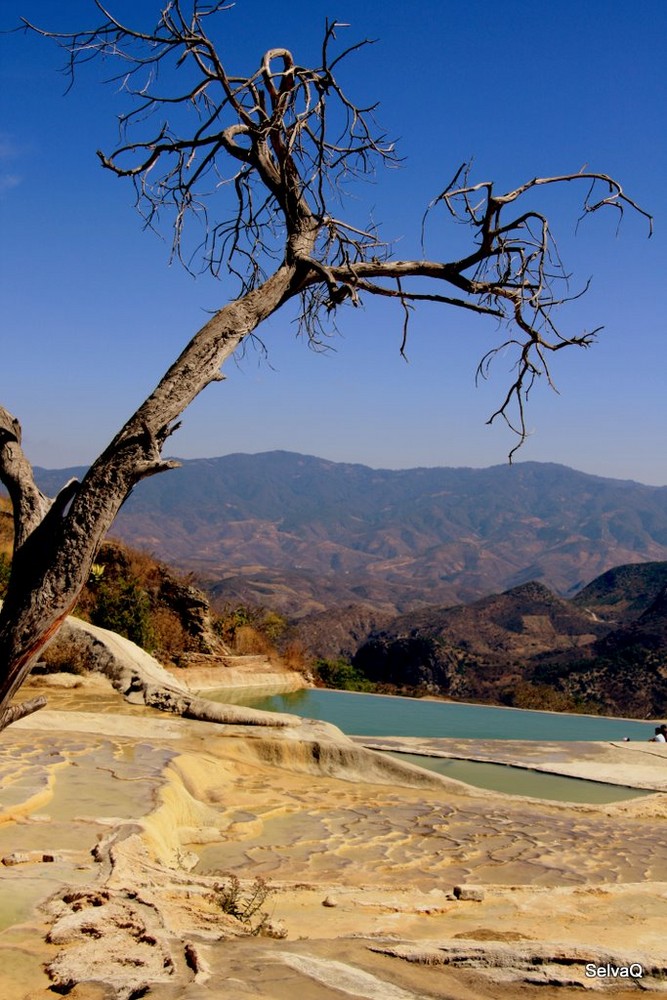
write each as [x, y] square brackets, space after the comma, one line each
[261, 164]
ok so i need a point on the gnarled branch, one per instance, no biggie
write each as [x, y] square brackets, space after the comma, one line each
[30, 505]
[285, 141]
[15, 712]
[262, 162]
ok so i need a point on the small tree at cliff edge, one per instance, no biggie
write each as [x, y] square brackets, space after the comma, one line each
[283, 139]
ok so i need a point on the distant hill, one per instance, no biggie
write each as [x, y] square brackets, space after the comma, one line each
[530, 648]
[621, 594]
[338, 632]
[476, 650]
[344, 547]
[302, 534]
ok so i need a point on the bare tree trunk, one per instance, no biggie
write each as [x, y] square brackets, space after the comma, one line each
[270, 141]
[56, 540]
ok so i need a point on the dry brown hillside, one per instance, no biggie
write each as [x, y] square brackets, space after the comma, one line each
[6, 527]
[135, 595]
[301, 534]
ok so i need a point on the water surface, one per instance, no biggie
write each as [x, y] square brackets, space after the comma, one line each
[377, 715]
[521, 781]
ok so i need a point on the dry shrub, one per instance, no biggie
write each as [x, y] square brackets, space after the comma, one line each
[86, 603]
[65, 656]
[171, 639]
[6, 542]
[5, 571]
[544, 698]
[294, 657]
[6, 523]
[248, 641]
[144, 568]
[244, 902]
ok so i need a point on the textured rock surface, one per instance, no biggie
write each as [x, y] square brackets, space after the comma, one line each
[148, 815]
[140, 678]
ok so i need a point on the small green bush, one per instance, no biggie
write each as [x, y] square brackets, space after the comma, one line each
[231, 619]
[124, 607]
[544, 698]
[342, 675]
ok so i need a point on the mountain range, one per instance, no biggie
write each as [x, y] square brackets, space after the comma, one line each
[302, 534]
[603, 651]
[460, 582]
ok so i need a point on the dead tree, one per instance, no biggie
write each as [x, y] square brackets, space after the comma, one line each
[261, 162]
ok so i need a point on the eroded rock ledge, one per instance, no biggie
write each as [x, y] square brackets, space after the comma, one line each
[133, 903]
[142, 680]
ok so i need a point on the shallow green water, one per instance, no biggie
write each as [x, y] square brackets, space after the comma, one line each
[374, 715]
[520, 781]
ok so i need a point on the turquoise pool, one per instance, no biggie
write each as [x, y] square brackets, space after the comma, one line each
[377, 715]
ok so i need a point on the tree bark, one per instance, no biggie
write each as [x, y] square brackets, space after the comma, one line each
[283, 141]
[56, 540]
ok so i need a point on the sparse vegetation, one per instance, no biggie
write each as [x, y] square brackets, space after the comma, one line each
[6, 542]
[251, 629]
[227, 623]
[246, 624]
[170, 638]
[5, 568]
[64, 657]
[245, 903]
[133, 594]
[124, 606]
[294, 657]
[130, 592]
[544, 698]
[342, 675]
[629, 679]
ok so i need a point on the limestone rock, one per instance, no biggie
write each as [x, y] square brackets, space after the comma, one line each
[29, 857]
[142, 680]
[17, 858]
[274, 929]
[469, 893]
[106, 937]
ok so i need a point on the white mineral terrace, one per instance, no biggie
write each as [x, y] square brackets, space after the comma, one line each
[118, 821]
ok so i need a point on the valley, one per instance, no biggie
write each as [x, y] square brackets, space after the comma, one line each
[302, 534]
[532, 585]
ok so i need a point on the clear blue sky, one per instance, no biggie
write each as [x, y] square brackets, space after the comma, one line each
[92, 314]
